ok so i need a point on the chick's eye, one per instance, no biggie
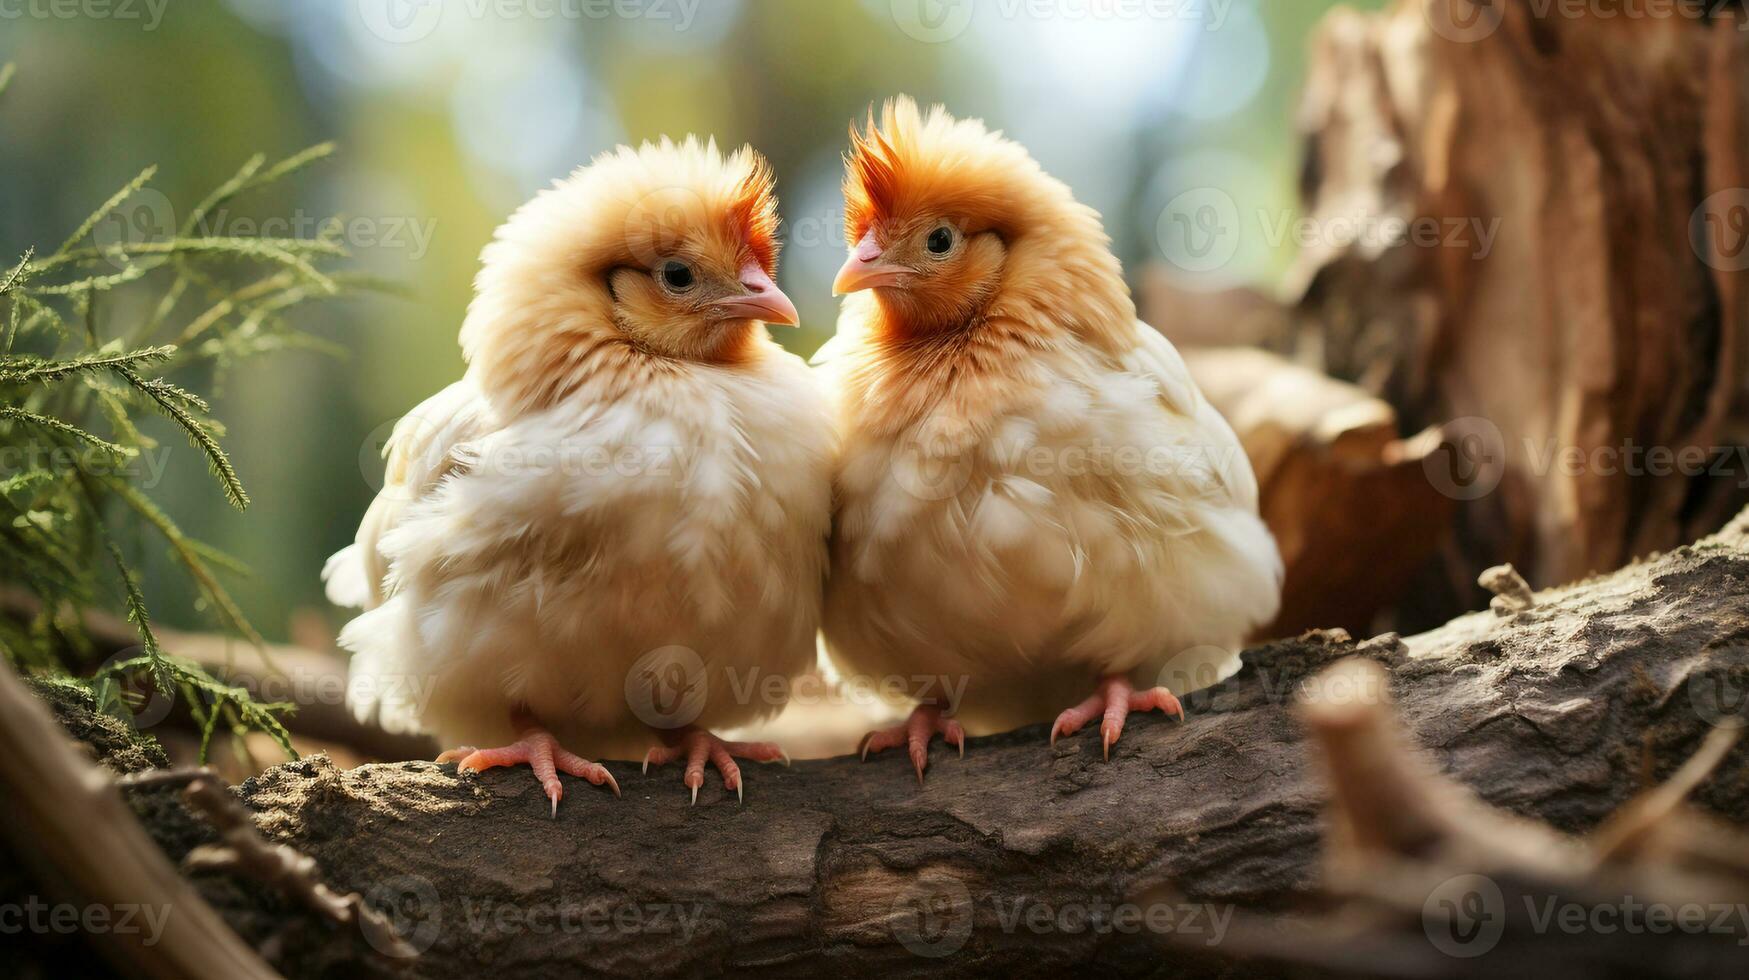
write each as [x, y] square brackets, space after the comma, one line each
[940, 240]
[677, 276]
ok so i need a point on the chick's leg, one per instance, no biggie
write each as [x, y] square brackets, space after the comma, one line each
[926, 722]
[544, 755]
[1114, 700]
[697, 746]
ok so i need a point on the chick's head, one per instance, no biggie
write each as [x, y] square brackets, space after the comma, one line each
[949, 223]
[668, 250]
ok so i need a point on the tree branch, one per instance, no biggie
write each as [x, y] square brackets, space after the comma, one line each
[1560, 713]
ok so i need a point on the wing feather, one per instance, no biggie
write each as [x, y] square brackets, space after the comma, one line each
[421, 451]
[1223, 470]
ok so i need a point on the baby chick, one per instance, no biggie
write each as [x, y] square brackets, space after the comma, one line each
[1034, 500]
[616, 522]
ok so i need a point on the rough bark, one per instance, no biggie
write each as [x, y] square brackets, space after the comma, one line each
[1560, 712]
[1575, 295]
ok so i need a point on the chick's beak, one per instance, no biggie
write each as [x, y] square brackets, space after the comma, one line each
[762, 301]
[865, 270]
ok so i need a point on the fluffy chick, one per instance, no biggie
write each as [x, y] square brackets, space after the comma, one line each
[619, 515]
[1035, 502]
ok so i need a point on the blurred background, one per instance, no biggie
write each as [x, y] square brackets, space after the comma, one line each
[448, 115]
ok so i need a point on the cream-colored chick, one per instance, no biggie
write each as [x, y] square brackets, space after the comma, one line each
[1036, 504]
[616, 522]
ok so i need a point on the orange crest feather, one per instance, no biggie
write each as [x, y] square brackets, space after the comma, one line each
[754, 210]
[871, 182]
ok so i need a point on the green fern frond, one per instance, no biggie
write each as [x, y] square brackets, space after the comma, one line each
[90, 224]
[26, 370]
[64, 428]
[136, 607]
[94, 366]
[172, 401]
[18, 273]
[193, 559]
[224, 192]
[101, 283]
[291, 165]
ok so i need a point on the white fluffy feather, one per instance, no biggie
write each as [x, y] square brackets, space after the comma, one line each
[1106, 523]
[695, 520]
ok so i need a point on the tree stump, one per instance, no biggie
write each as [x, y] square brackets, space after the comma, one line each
[1567, 293]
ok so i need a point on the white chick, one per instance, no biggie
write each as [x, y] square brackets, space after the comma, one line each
[1036, 505]
[615, 524]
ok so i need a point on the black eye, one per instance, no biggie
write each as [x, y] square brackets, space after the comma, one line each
[677, 276]
[940, 240]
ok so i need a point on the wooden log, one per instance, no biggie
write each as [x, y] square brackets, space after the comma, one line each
[1560, 711]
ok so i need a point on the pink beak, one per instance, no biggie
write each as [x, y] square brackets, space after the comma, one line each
[763, 300]
[865, 270]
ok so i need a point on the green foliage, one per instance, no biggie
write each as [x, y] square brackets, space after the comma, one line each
[90, 335]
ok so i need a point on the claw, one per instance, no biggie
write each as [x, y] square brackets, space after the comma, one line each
[699, 748]
[1114, 701]
[542, 753]
[925, 722]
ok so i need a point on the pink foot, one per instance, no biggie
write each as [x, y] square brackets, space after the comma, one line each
[543, 754]
[925, 722]
[695, 746]
[1115, 700]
